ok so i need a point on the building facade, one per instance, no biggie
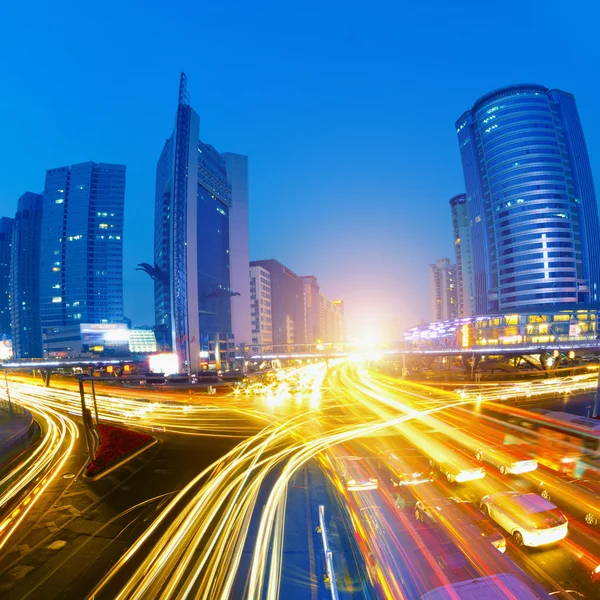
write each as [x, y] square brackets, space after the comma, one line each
[312, 314]
[81, 264]
[24, 277]
[239, 246]
[287, 303]
[462, 250]
[442, 282]
[531, 203]
[331, 320]
[191, 242]
[6, 229]
[559, 323]
[260, 301]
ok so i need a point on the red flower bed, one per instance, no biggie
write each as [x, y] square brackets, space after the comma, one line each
[115, 445]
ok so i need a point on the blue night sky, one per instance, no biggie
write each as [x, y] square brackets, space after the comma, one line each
[346, 110]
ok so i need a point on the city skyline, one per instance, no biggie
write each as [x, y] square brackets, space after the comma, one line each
[277, 124]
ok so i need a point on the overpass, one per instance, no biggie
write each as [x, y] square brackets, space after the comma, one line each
[528, 351]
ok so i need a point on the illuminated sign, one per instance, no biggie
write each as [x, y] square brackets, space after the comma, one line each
[104, 334]
[464, 332]
[167, 364]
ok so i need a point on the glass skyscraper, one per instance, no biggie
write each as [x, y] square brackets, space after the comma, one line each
[239, 247]
[531, 204]
[6, 228]
[191, 242]
[81, 268]
[24, 277]
[462, 250]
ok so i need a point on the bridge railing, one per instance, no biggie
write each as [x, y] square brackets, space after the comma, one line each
[328, 555]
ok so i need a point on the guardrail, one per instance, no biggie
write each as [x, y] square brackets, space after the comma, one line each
[328, 555]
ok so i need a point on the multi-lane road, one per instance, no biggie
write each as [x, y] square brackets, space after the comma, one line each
[227, 505]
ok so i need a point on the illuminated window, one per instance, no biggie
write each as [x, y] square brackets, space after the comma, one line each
[103, 225]
[59, 200]
[57, 299]
[56, 287]
[56, 269]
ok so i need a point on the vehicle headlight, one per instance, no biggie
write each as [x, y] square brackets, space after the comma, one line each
[597, 569]
[351, 481]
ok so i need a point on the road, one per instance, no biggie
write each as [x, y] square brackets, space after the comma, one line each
[227, 506]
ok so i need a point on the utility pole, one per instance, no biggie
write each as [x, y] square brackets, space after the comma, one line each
[94, 399]
[84, 415]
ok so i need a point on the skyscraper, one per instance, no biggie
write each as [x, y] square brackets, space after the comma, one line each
[531, 203]
[311, 308]
[260, 298]
[239, 249]
[24, 277]
[81, 268]
[442, 281]
[287, 303]
[191, 240]
[6, 228]
[462, 249]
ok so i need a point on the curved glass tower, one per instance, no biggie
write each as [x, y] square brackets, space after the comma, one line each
[531, 205]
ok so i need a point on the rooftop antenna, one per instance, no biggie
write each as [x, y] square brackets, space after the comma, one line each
[184, 95]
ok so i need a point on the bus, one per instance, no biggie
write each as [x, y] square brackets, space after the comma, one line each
[561, 441]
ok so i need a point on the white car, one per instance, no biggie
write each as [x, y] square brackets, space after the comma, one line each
[529, 518]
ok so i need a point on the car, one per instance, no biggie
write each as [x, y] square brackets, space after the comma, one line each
[406, 466]
[456, 465]
[490, 587]
[579, 497]
[355, 474]
[462, 517]
[506, 459]
[529, 518]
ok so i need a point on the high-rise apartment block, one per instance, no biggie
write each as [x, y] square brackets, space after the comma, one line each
[530, 199]
[6, 229]
[260, 300]
[331, 320]
[81, 264]
[462, 249]
[311, 308]
[442, 280]
[25, 277]
[287, 303]
[239, 246]
[191, 272]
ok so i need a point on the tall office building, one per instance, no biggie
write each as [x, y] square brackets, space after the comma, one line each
[331, 320]
[81, 267]
[239, 248]
[6, 228]
[191, 242]
[260, 300]
[531, 203]
[287, 303]
[442, 281]
[462, 249]
[311, 308]
[24, 277]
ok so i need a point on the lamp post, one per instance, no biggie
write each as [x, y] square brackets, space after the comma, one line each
[86, 420]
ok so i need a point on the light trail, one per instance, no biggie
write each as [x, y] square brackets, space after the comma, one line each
[25, 484]
[194, 547]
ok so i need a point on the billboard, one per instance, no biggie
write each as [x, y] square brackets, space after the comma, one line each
[104, 334]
